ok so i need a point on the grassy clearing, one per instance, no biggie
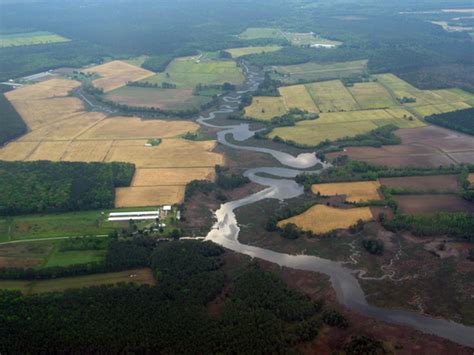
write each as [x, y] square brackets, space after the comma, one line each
[187, 72]
[372, 95]
[30, 38]
[66, 258]
[265, 108]
[239, 52]
[471, 179]
[308, 39]
[136, 61]
[322, 219]
[332, 96]
[296, 96]
[290, 74]
[261, 32]
[138, 276]
[338, 125]
[360, 191]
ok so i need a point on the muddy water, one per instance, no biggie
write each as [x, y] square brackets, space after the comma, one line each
[348, 290]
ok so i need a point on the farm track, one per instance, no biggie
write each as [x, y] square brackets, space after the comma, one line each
[225, 232]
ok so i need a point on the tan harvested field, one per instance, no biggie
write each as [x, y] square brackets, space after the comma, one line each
[44, 90]
[372, 95]
[171, 176]
[67, 129]
[17, 150]
[135, 128]
[332, 96]
[116, 74]
[52, 151]
[87, 151]
[83, 136]
[433, 203]
[428, 146]
[265, 108]
[239, 52]
[471, 179]
[296, 96]
[440, 183]
[171, 153]
[358, 191]
[322, 219]
[148, 196]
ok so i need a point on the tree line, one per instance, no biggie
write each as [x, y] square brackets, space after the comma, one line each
[47, 187]
[461, 120]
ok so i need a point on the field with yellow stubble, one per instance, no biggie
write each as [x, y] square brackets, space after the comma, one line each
[321, 219]
[60, 130]
[359, 191]
[116, 74]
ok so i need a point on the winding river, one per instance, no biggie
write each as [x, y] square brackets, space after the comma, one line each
[348, 290]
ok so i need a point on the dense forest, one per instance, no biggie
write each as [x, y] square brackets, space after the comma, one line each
[11, 123]
[462, 121]
[43, 186]
[260, 313]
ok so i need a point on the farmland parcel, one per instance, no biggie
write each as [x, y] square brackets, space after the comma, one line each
[64, 131]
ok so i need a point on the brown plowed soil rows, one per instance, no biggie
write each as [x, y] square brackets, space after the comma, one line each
[433, 203]
[444, 183]
[428, 146]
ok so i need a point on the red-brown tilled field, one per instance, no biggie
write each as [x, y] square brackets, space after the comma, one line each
[443, 183]
[433, 203]
[428, 146]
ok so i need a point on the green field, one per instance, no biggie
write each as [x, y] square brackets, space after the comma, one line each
[138, 276]
[166, 99]
[372, 95]
[261, 32]
[187, 72]
[265, 108]
[137, 61]
[338, 125]
[29, 38]
[308, 72]
[427, 102]
[239, 52]
[332, 96]
[66, 258]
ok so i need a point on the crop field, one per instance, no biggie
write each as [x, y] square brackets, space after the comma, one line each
[266, 107]
[187, 72]
[116, 74]
[433, 203]
[339, 125]
[322, 219]
[46, 102]
[428, 102]
[359, 191]
[92, 137]
[171, 176]
[296, 96]
[427, 146]
[138, 276]
[471, 179]
[148, 196]
[372, 95]
[261, 32]
[165, 99]
[440, 183]
[30, 38]
[24, 255]
[135, 128]
[239, 52]
[317, 72]
[332, 96]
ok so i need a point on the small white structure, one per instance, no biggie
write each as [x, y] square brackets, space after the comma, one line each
[167, 208]
[134, 216]
[178, 215]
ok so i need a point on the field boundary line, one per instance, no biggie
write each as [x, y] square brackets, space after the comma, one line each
[52, 238]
